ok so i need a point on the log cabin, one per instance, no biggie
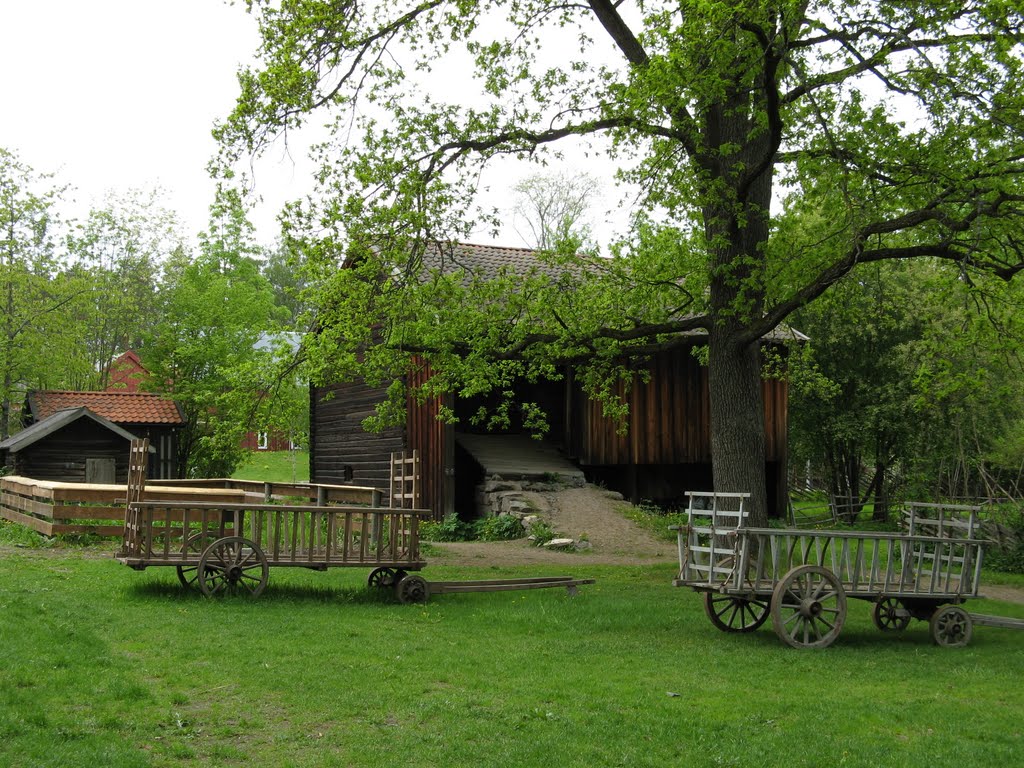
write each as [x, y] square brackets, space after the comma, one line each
[72, 445]
[142, 414]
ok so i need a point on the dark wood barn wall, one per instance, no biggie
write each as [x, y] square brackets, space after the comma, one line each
[338, 444]
[62, 456]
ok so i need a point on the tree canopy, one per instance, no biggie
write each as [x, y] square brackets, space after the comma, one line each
[777, 145]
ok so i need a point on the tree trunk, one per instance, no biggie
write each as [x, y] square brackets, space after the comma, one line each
[736, 228]
[737, 422]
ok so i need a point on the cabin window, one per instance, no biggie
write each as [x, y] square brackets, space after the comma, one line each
[262, 440]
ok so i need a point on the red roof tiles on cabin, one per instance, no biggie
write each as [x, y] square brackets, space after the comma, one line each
[118, 407]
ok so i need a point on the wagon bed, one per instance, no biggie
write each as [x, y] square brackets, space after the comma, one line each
[802, 578]
[230, 547]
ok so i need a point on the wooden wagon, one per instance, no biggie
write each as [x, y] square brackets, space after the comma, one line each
[803, 578]
[229, 547]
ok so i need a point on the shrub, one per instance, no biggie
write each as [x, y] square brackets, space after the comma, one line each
[498, 528]
[448, 529]
[541, 532]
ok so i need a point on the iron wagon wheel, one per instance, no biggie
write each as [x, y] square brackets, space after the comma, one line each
[951, 626]
[231, 565]
[731, 613]
[413, 589]
[381, 578]
[808, 607]
[890, 615]
[188, 575]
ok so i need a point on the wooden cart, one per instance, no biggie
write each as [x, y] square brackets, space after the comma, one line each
[226, 548]
[230, 547]
[803, 578]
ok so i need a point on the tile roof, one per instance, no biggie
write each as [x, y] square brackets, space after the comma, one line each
[487, 260]
[118, 407]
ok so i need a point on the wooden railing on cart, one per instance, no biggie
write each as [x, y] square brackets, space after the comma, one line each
[165, 533]
[939, 551]
[53, 508]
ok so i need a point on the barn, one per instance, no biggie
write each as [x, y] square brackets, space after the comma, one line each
[666, 451]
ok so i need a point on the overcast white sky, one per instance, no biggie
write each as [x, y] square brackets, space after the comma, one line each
[121, 94]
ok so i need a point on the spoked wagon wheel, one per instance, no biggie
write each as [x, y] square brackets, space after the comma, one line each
[735, 614]
[808, 607]
[951, 626]
[381, 578]
[890, 615]
[413, 589]
[188, 575]
[233, 564]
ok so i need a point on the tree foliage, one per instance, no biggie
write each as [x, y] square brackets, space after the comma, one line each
[214, 307]
[553, 208]
[118, 252]
[35, 298]
[899, 126]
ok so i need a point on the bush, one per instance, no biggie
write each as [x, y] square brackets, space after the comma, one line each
[448, 529]
[541, 532]
[498, 528]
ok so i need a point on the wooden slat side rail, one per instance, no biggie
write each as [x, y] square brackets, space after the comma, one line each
[866, 563]
[308, 536]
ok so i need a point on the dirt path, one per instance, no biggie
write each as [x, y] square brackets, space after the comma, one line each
[588, 512]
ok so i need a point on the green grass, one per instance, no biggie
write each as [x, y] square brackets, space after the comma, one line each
[105, 666]
[275, 467]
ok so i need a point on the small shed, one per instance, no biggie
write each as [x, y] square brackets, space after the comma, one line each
[72, 445]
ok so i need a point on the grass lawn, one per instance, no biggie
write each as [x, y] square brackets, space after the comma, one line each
[275, 467]
[103, 666]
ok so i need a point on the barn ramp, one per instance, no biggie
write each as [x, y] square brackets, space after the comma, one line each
[519, 457]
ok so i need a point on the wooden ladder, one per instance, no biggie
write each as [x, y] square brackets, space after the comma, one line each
[405, 480]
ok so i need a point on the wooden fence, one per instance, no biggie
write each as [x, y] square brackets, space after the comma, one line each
[53, 508]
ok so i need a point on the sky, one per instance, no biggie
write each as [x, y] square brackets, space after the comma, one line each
[114, 95]
[123, 94]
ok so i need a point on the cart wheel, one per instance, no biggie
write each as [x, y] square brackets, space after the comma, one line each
[808, 607]
[188, 575]
[735, 614]
[951, 626]
[890, 615]
[233, 564]
[413, 589]
[381, 578]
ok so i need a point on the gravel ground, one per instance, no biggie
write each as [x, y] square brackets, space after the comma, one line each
[574, 512]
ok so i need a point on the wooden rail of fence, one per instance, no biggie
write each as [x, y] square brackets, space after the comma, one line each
[319, 493]
[53, 508]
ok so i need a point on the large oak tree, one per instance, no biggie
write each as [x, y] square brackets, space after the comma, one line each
[776, 144]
